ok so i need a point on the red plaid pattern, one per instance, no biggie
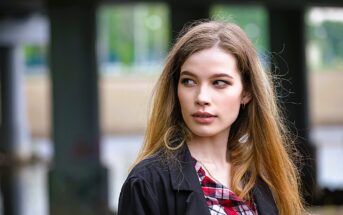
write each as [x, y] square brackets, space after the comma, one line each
[220, 199]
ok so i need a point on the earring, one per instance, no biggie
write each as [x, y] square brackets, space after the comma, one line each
[244, 138]
[243, 105]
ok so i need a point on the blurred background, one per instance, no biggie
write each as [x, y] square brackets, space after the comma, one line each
[76, 83]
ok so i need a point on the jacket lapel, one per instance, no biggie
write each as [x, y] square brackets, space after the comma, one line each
[185, 182]
[190, 197]
[264, 199]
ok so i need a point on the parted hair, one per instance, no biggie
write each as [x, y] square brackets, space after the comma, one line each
[258, 145]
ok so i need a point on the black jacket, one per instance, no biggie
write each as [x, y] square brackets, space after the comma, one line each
[158, 187]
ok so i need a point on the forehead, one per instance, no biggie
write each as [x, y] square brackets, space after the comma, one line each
[213, 60]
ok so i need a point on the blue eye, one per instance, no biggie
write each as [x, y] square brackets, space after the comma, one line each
[187, 82]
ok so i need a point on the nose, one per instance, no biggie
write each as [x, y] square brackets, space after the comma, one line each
[202, 97]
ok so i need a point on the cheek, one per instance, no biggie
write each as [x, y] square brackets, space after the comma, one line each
[231, 104]
[179, 95]
[181, 98]
[185, 103]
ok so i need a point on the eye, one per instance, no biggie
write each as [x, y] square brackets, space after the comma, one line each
[220, 83]
[188, 82]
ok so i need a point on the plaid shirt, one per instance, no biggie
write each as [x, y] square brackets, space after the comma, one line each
[220, 199]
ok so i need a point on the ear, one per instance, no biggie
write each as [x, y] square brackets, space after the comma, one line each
[246, 97]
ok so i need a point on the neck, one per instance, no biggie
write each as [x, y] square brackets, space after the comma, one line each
[211, 152]
[209, 149]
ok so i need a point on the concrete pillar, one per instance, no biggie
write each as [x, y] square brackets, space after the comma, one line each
[16, 156]
[15, 142]
[77, 180]
[287, 42]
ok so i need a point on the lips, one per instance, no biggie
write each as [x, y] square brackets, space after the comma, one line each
[203, 117]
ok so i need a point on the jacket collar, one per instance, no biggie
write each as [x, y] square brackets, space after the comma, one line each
[184, 178]
[183, 175]
[185, 182]
[264, 199]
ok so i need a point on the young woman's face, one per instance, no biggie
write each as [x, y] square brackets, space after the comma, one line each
[210, 92]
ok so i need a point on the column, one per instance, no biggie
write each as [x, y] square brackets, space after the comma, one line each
[287, 42]
[183, 12]
[15, 144]
[77, 180]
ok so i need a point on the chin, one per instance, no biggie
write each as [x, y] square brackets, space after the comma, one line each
[203, 132]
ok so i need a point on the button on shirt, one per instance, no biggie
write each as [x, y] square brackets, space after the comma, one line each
[220, 199]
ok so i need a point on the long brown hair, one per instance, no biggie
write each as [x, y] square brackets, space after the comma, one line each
[264, 151]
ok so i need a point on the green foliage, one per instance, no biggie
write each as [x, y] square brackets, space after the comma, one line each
[252, 19]
[327, 38]
[334, 32]
[35, 55]
[116, 25]
[133, 34]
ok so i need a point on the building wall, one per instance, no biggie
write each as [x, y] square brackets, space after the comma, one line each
[124, 102]
[326, 98]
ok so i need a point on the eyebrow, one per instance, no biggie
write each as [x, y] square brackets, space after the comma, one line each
[217, 75]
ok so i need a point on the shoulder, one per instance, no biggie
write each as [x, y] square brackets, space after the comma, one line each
[152, 173]
[147, 184]
[161, 171]
[161, 163]
[150, 167]
[140, 191]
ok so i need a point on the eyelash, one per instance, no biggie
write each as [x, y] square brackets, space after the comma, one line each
[185, 81]
[225, 83]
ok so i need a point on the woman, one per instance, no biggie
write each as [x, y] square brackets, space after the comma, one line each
[215, 142]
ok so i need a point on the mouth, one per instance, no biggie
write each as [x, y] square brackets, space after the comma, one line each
[203, 114]
[203, 117]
